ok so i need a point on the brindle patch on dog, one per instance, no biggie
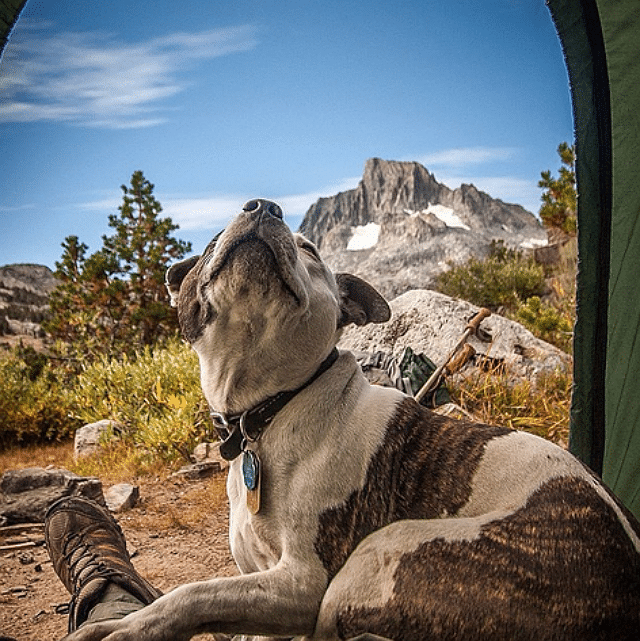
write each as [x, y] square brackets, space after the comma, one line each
[422, 470]
[522, 578]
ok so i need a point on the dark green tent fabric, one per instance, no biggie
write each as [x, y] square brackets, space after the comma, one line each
[601, 42]
[9, 12]
[621, 464]
[579, 29]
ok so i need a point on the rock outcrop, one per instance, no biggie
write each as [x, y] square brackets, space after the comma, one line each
[400, 227]
[26, 494]
[24, 298]
[432, 323]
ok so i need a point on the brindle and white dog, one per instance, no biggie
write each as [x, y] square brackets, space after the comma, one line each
[353, 508]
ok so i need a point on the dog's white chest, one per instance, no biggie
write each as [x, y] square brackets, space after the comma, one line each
[251, 545]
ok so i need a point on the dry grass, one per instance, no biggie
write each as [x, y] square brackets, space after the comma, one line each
[170, 504]
[540, 407]
[120, 461]
[167, 503]
[565, 271]
[115, 464]
[58, 455]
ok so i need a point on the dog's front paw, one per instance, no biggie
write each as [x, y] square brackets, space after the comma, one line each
[135, 627]
[93, 632]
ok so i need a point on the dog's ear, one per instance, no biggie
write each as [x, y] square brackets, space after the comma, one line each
[360, 303]
[193, 312]
[175, 275]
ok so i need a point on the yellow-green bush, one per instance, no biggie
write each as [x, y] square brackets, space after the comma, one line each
[156, 396]
[34, 405]
[549, 322]
[519, 288]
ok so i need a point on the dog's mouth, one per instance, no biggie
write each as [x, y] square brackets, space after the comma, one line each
[252, 259]
[255, 253]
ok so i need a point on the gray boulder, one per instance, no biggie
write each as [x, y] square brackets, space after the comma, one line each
[432, 323]
[209, 453]
[121, 497]
[197, 471]
[88, 438]
[26, 494]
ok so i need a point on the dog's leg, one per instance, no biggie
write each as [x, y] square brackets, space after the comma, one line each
[367, 583]
[282, 601]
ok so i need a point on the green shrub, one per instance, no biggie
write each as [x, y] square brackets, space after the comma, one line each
[499, 282]
[552, 318]
[156, 396]
[548, 322]
[34, 406]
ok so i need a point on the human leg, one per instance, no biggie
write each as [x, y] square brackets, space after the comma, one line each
[89, 555]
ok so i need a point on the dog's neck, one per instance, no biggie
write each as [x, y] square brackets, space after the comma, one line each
[236, 430]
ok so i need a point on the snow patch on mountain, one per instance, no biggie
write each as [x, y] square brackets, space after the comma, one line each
[364, 237]
[418, 226]
[445, 214]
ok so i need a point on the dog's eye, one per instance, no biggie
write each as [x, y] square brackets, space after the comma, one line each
[310, 249]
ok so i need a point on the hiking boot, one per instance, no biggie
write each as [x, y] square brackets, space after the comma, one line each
[88, 551]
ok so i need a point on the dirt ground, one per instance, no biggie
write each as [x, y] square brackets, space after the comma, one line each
[177, 533]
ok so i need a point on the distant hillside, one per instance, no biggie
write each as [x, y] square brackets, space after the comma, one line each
[400, 227]
[24, 298]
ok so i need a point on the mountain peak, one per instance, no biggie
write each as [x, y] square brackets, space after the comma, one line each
[399, 215]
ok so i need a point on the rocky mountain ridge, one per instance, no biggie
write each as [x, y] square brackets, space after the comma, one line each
[400, 227]
[24, 298]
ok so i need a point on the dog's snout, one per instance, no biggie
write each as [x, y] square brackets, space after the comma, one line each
[258, 207]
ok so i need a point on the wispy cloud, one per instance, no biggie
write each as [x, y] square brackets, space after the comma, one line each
[466, 156]
[203, 213]
[483, 167]
[213, 211]
[217, 210]
[510, 189]
[16, 209]
[94, 79]
[298, 204]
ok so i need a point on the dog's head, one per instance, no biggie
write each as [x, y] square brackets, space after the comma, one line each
[262, 310]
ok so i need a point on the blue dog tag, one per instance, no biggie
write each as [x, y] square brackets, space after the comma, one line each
[251, 476]
[250, 469]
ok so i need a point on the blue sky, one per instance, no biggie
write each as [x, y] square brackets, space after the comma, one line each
[219, 102]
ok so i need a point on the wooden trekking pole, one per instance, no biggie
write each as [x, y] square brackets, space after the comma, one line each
[471, 328]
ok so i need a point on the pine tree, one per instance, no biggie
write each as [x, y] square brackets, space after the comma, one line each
[115, 300]
[143, 247]
[559, 200]
[65, 321]
[69, 268]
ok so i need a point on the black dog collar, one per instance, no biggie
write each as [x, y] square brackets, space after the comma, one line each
[237, 430]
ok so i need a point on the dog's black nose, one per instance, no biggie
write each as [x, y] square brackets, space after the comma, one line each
[259, 206]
